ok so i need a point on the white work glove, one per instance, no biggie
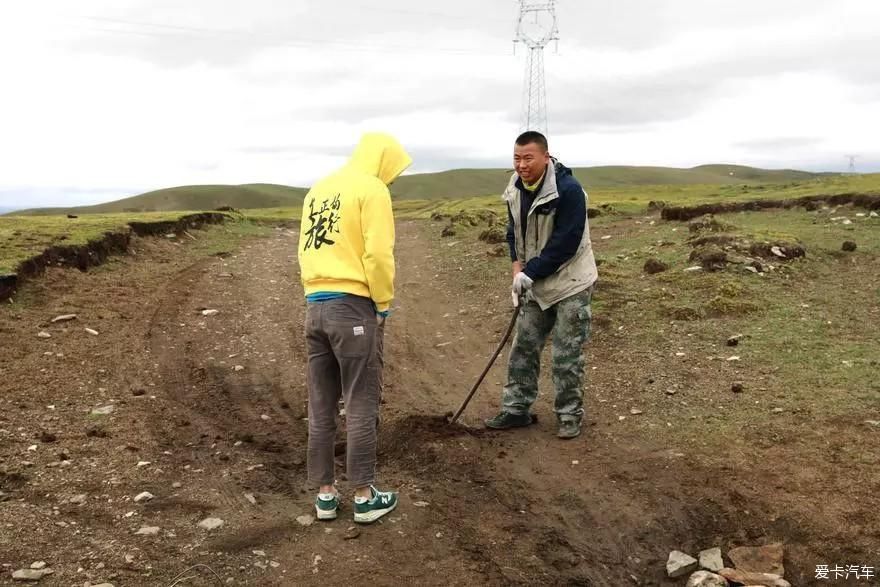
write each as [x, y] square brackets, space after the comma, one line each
[521, 284]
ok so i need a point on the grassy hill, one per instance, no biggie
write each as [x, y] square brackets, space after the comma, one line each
[193, 197]
[458, 183]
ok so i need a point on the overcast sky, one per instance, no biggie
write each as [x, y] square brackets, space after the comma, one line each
[102, 99]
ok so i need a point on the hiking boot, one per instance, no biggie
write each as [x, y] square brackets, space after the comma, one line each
[506, 420]
[569, 429]
[370, 510]
[326, 506]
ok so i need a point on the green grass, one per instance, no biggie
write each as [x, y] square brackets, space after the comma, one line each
[22, 237]
[197, 197]
[619, 184]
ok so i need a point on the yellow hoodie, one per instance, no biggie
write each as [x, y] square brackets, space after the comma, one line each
[346, 241]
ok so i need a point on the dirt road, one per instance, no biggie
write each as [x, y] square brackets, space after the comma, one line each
[209, 417]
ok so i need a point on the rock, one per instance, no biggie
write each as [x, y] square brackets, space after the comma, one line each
[64, 318]
[421, 504]
[138, 391]
[875, 423]
[103, 585]
[47, 437]
[103, 411]
[305, 520]
[653, 266]
[239, 368]
[778, 410]
[680, 564]
[874, 214]
[706, 579]
[176, 485]
[635, 411]
[448, 231]
[778, 252]
[148, 531]
[92, 332]
[736, 388]
[30, 574]
[734, 340]
[44, 335]
[759, 559]
[78, 499]
[849, 246]
[250, 497]
[144, 496]
[352, 533]
[39, 565]
[746, 578]
[210, 312]
[710, 559]
[211, 523]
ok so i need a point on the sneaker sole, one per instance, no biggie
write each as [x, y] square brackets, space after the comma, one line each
[325, 515]
[568, 436]
[373, 515]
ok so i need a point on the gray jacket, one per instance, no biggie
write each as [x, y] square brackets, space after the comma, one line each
[576, 273]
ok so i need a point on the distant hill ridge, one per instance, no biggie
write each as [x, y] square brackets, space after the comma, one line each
[457, 183]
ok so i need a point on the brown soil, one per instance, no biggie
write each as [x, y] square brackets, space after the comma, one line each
[684, 213]
[517, 508]
[97, 251]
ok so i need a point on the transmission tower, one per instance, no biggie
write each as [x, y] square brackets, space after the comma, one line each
[852, 163]
[535, 28]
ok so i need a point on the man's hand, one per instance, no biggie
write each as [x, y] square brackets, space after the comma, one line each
[517, 267]
[521, 283]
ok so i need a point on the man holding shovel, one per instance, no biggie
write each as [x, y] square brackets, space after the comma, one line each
[554, 272]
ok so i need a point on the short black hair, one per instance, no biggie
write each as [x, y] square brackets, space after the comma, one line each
[532, 136]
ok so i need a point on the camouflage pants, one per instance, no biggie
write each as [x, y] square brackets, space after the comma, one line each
[569, 321]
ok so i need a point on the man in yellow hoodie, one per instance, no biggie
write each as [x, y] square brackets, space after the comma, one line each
[346, 256]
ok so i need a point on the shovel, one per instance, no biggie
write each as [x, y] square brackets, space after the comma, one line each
[516, 308]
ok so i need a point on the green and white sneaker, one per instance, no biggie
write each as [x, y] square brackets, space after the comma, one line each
[326, 506]
[370, 510]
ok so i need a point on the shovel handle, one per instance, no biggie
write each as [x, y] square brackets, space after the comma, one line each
[489, 365]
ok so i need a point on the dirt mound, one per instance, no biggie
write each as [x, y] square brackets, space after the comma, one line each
[97, 251]
[494, 235]
[723, 246]
[710, 257]
[685, 213]
[709, 223]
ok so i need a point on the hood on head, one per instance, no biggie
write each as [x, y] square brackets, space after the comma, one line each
[380, 155]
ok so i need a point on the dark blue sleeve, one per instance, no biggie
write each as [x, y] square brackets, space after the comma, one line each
[511, 237]
[568, 230]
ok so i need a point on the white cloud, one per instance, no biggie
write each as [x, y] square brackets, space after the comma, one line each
[104, 99]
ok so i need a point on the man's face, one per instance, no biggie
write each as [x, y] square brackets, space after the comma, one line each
[530, 161]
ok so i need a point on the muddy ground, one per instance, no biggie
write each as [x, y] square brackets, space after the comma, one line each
[208, 416]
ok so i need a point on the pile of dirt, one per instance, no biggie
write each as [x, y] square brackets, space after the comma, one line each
[495, 230]
[723, 246]
[685, 213]
[96, 251]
